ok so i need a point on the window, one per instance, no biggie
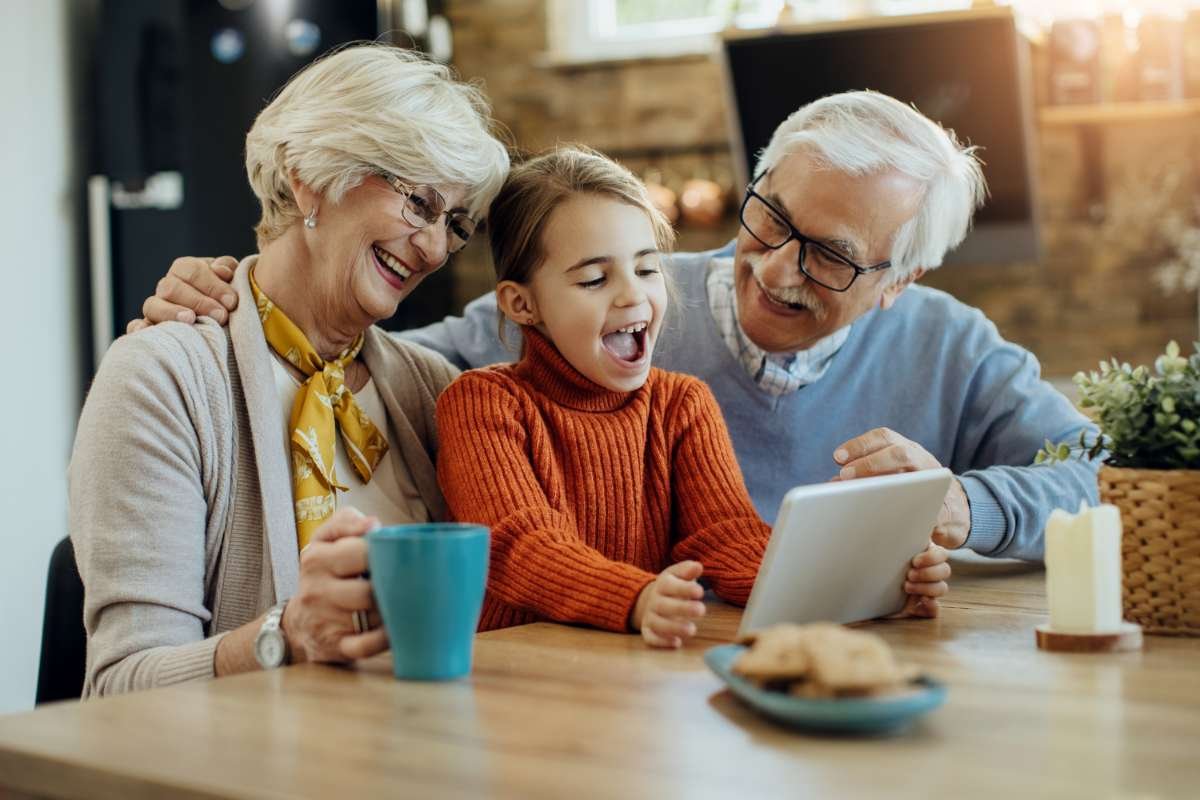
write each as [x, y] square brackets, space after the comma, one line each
[594, 30]
[601, 30]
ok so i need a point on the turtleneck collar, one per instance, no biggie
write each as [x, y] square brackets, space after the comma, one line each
[551, 374]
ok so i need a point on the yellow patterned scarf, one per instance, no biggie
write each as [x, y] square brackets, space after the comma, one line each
[323, 406]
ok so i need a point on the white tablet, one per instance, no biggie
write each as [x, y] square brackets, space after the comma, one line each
[839, 551]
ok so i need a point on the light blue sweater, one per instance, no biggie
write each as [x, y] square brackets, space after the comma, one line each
[931, 368]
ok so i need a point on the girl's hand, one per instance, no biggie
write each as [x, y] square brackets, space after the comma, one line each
[665, 609]
[926, 582]
[318, 620]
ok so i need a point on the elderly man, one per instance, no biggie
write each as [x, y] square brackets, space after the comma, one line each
[825, 358]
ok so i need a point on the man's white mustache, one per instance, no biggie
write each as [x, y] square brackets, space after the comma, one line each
[793, 295]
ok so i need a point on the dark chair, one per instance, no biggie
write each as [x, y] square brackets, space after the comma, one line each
[64, 643]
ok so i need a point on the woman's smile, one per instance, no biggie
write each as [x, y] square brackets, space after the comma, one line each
[393, 270]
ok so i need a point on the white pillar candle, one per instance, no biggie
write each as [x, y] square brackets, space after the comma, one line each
[1083, 570]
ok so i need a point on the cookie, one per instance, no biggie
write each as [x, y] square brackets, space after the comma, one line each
[778, 653]
[822, 660]
[852, 661]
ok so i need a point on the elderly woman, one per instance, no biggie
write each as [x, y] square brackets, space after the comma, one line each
[210, 463]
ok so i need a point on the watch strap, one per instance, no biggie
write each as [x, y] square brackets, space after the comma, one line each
[272, 625]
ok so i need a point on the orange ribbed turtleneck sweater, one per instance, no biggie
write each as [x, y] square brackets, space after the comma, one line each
[591, 493]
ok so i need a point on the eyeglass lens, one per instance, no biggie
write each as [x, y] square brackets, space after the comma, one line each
[425, 205]
[818, 263]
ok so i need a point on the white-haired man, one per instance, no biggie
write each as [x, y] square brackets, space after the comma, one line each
[826, 360]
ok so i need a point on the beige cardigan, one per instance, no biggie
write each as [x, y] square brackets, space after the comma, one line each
[180, 491]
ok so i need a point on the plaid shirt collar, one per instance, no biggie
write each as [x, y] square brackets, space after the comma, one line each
[774, 373]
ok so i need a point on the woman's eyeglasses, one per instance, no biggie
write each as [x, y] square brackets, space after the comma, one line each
[424, 206]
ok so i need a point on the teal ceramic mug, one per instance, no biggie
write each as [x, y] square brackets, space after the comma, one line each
[428, 581]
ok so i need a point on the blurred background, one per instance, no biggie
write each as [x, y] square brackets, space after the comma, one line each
[124, 122]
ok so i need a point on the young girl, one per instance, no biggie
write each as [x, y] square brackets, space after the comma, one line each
[610, 486]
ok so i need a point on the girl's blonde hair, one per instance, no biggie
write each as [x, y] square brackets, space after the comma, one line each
[364, 108]
[518, 216]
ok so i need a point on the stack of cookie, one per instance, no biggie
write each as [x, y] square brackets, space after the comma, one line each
[822, 660]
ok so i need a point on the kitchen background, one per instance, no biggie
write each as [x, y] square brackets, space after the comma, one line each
[124, 120]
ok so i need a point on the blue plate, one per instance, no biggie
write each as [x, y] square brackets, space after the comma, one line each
[847, 715]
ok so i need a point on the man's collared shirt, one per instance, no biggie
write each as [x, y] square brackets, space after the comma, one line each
[774, 373]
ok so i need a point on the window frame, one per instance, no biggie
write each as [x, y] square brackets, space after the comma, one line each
[581, 31]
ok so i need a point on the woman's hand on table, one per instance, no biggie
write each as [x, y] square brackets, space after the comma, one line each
[666, 609]
[192, 287]
[319, 619]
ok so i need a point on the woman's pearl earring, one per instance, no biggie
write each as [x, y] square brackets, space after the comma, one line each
[310, 221]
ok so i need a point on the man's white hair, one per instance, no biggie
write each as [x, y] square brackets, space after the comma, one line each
[859, 133]
[365, 108]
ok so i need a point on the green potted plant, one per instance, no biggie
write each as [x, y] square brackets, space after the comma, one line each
[1149, 439]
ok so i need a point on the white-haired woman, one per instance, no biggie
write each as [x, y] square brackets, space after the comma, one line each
[217, 472]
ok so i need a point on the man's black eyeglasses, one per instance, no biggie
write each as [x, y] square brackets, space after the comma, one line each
[819, 263]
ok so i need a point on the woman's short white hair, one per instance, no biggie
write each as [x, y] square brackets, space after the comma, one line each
[859, 133]
[365, 108]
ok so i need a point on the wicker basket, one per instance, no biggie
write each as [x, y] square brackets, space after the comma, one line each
[1160, 546]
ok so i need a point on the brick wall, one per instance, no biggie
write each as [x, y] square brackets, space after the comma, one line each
[1091, 296]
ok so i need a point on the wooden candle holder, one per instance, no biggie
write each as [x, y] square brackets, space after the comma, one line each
[1127, 638]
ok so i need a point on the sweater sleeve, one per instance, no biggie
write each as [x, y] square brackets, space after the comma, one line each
[488, 471]
[138, 516]
[471, 340]
[716, 523]
[1009, 413]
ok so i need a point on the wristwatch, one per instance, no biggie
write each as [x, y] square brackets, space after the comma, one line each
[270, 645]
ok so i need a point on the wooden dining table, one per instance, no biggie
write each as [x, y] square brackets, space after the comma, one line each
[558, 711]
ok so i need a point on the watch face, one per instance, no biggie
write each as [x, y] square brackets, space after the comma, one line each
[270, 651]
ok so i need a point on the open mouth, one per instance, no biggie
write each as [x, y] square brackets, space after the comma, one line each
[627, 344]
[392, 267]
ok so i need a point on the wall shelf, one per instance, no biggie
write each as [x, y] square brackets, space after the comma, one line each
[1116, 113]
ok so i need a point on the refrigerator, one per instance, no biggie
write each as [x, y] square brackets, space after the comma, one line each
[177, 84]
